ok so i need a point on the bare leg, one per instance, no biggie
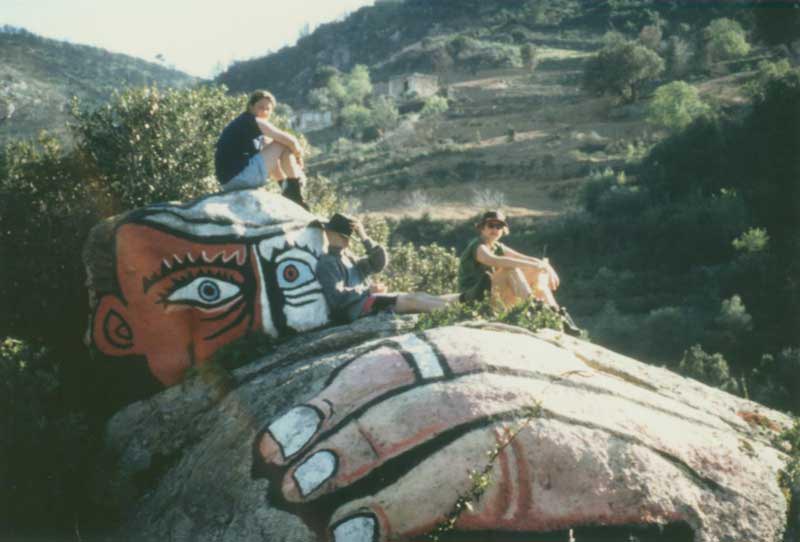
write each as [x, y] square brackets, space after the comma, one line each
[510, 286]
[539, 281]
[291, 167]
[271, 154]
[417, 302]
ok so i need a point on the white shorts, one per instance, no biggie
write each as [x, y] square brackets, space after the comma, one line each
[254, 175]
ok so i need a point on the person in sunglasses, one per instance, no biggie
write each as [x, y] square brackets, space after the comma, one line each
[488, 268]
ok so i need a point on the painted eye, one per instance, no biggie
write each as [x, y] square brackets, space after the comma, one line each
[205, 292]
[294, 273]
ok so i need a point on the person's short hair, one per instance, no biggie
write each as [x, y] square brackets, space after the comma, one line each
[259, 95]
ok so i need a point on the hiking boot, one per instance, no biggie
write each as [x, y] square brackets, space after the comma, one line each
[570, 328]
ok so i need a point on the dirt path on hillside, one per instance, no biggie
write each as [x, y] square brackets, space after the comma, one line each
[457, 202]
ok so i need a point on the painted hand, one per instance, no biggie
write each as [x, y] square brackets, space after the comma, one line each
[385, 451]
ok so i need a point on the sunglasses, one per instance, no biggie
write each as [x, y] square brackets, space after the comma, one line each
[495, 225]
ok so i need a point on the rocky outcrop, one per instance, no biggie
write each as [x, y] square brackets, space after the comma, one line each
[372, 432]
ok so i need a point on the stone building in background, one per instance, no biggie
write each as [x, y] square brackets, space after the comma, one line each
[400, 86]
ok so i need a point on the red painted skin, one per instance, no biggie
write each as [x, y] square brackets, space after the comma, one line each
[173, 335]
[508, 508]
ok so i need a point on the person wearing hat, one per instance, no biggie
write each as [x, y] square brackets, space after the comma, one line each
[487, 267]
[345, 280]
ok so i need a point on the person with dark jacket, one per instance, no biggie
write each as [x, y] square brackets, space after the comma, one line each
[251, 149]
[345, 279]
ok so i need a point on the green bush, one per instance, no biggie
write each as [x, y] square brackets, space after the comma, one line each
[766, 73]
[49, 199]
[434, 106]
[725, 39]
[622, 67]
[428, 268]
[711, 369]
[46, 449]
[531, 315]
[150, 145]
[675, 105]
[355, 119]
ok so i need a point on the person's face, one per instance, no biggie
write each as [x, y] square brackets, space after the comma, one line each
[337, 240]
[492, 230]
[262, 108]
[181, 300]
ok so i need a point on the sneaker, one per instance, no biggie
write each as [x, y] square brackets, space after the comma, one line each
[570, 328]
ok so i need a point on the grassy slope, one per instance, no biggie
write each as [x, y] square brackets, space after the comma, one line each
[39, 76]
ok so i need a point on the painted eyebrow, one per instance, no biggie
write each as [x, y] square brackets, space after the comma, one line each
[235, 260]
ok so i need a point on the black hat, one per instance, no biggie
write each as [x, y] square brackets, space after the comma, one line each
[493, 216]
[342, 224]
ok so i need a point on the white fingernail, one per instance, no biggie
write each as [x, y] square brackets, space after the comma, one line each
[357, 529]
[295, 428]
[315, 471]
[423, 354]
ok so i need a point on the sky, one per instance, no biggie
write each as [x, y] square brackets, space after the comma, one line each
[199, 37]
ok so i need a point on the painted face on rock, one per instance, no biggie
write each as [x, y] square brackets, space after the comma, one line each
[193, 279]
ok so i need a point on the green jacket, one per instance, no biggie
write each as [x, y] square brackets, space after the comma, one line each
[472, 275]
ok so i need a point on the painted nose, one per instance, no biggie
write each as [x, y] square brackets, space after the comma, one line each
[262, 317]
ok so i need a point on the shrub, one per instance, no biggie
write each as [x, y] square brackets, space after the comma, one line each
[528, 53]
[675, 105]
[45, 449]
[711, 369]
[435, 106]
[767, 72]
[622, 67]
[666, 332]
[679, 57]
[150, 145]
[752, 241]
[430, 268]
[48, 202]
[725, 39]
[650, 36]
[355, 120]
[531, 315]
[384, 113]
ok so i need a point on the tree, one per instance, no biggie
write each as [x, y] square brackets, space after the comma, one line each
[434, 107]
[711, 369]
[622, 67]
[358, 84]
[675, 105]
[384, 113]
[725, 39]
[650, 36]
[355, 120]
[528, 52]
[778, 25]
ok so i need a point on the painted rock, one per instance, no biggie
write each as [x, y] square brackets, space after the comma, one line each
[371, 433]
[171, 284]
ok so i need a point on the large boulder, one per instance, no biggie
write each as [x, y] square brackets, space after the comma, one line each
[371, 432]
[172, 283]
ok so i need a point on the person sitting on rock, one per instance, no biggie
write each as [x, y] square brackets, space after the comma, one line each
[487, 266]
[345, 283]
[251, 149]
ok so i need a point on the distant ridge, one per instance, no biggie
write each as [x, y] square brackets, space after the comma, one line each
[39, 76]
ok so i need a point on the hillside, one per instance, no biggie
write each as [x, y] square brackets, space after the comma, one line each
[396, 37]
[39, 76]
[657, 231]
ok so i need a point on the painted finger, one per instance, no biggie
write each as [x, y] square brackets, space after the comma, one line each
[425, 417]
[523, 484]
[408, 361]
[355, 383]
